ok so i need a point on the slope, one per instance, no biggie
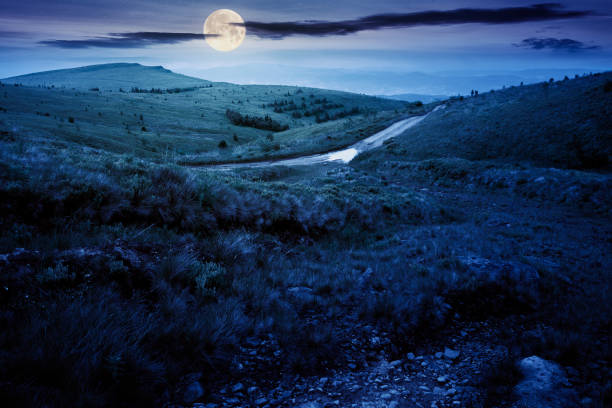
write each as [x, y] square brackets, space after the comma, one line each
[563, 124]
[177, 118]
[109, 77]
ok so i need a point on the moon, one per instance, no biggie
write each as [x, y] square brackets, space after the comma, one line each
[226, 35]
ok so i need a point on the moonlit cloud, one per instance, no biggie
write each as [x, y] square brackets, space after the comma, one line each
[538, 12]
[279, 30]
[126, 40]
[564, 44]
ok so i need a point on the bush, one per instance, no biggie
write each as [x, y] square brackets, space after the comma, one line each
[265, 123]
[222, 144]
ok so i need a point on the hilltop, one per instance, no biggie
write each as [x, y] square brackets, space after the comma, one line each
[155, 113]
[109, 77]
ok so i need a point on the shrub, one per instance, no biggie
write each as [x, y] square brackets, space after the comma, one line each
[209, 278]
[265, 123]
[222, 144]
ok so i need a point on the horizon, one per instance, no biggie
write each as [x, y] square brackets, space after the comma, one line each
[497, 78]
[468, 38]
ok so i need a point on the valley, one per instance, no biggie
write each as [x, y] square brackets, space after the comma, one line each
[145, 263]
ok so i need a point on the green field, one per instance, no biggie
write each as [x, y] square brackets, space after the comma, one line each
[185, 119]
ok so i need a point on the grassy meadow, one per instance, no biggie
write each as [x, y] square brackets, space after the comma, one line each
[129, 279]
[186, 121]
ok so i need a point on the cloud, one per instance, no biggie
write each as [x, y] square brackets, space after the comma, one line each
[279, 30]
[125, 40]
[563, 44]
[537, 12]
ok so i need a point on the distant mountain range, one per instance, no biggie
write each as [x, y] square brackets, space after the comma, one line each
[380, 82]
[408, 97]
[405, 86]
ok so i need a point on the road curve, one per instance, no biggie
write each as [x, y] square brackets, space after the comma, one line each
[339, 156]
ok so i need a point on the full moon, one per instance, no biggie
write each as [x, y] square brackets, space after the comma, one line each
[222, 32]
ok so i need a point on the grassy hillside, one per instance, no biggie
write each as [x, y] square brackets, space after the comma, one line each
[109, 77]
[184, 119]
[130, 281]
[563, 124]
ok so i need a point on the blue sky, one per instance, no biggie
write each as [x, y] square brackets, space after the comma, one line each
[38, 35]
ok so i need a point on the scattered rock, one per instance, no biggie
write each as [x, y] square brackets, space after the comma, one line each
[451, 354]
[310, 404]
[193, 392]
[301, 293]
[395, 363]
[438, 390]
[237, 388]
[543, 385]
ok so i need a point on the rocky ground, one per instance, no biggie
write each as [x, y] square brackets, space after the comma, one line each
[435, 375]
[472, 362]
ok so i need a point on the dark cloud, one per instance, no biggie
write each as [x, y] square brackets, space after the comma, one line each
[564, 44]
[125, 40]
[537, 12]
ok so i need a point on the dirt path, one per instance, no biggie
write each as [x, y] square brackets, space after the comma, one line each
[339, 156]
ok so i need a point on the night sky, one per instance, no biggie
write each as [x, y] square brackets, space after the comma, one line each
[464, 37]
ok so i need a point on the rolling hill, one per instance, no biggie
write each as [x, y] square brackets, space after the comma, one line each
[562, 124]
[109, 77]
[175, 117]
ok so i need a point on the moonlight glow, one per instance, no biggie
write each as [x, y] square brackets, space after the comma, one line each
[226, 35]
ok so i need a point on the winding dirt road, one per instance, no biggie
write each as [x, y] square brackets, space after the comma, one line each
[339, 156]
